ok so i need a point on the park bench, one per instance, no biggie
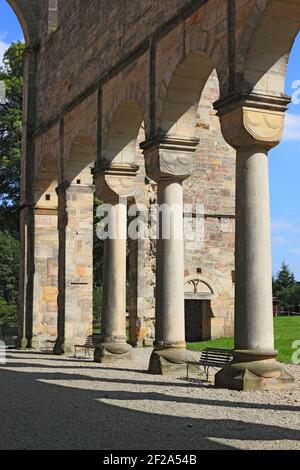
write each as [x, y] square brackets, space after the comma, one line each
[9, 331]
[90, 343]
[212, 357]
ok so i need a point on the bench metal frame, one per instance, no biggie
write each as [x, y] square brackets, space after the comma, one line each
[50, 341]
[90, 343]
[212, 358]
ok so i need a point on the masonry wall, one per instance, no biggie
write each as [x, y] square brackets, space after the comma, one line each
[79, 266]
[45, 282]
[45, 288]
[82, 49]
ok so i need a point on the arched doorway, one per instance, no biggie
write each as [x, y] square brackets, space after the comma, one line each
[198, 295]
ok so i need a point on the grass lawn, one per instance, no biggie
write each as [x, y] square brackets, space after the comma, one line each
[287, 330]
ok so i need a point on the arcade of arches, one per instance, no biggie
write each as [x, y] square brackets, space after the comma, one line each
[153, 103]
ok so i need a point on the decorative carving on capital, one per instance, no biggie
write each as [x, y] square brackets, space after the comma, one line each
[169, 158]
[113, 181]
[252, 120]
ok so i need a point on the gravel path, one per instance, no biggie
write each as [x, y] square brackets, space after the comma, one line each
[65, 403]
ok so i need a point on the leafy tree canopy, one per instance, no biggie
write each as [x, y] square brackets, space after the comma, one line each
[285, 287]
[284, 278]
[9, 275]
[11, 72]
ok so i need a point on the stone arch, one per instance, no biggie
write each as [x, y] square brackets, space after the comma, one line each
[199, 296]
[180, 94]
[130, 93]
[120, 141]
[198, 286]
[27, 14]
[80, 160]
[266, 45]
[46, 167]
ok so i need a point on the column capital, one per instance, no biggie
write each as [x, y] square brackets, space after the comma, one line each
[169, 158]
[114, 180]
[252, 119]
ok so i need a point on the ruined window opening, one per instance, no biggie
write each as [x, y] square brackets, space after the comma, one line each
[52, 16]
[48, 197]
[78, 181]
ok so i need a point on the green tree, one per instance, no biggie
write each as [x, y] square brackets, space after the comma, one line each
[9, 274]
[97, 266]
[285, 288]
[11, 72]
[284, 278]
[289, 297]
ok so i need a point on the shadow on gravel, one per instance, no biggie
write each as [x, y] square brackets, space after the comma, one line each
[63, 376]
[35, 414]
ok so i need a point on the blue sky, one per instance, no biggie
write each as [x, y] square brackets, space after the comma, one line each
[285, 178]
[284, 159]
[10, 29]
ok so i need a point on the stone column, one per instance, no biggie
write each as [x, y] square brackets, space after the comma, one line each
[114, 184]
[253, 125]
[169, 162]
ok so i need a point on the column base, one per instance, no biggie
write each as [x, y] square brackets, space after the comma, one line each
[171, 361]
[65, 348]
[21, 343]
[254, 370]
[108, 353]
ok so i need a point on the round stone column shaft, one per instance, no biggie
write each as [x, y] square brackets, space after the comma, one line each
[115, 183]
[169, 161]
[170, 326]
[114, 278]
[253, 300]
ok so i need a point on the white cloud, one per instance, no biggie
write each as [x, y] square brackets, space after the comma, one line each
[281, 224]
[292, 127]
[296, 251]
[3, 44]
[280, 240]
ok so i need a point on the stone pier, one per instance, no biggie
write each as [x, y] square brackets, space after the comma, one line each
[75, 322]
[45, 285]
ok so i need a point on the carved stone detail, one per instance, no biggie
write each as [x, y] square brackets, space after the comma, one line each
[114, 181]
[252, 120]
[168, 158]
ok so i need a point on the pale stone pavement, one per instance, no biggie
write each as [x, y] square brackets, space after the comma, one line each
[52, 402]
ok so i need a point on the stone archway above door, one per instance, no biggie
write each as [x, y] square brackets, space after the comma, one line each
[199, 288]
